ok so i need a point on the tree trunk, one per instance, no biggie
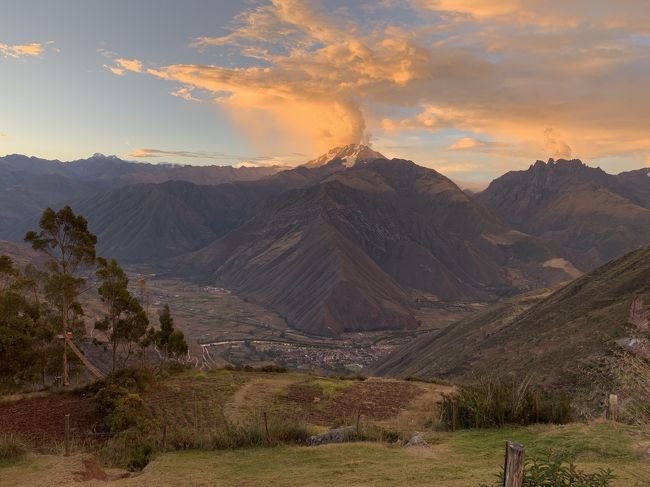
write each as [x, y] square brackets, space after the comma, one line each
[66, 382]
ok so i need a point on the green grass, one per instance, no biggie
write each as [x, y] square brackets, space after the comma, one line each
[331, 387]
[461, 459]
[454, 459]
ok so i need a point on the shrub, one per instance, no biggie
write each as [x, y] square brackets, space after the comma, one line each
[132, 449]
[491, 403]
[11, 448]
[130, 412]
[556, 469]
[140, 456]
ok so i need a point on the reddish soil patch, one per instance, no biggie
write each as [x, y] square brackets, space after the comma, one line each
[41, 420]
[375, 400]
[91, 471]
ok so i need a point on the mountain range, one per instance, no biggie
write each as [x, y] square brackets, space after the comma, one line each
[342, 242]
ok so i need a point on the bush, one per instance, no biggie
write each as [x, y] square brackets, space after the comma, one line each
[558, 470]
[491, 403]
[132, 449]
[130, 412]
[11, 448]
[140, 456]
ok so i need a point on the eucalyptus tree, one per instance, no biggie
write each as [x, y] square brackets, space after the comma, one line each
[69, 245]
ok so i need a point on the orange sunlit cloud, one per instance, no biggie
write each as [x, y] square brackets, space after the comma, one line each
[565, 81]
[21, 50]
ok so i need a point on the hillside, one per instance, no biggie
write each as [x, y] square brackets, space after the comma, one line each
[559, 336]
[338, 255]
[593, 216]
[28, 184]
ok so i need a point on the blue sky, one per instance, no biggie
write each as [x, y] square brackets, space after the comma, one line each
[470, 87]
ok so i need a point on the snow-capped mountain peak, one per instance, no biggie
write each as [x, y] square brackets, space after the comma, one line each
[351, 155]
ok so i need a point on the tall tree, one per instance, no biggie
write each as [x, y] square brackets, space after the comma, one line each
[125, 320]
[25, 334]
[65, 238]
[171, 341]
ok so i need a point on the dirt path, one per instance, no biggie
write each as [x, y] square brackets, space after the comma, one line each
[256, 395]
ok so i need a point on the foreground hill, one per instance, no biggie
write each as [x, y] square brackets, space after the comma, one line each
[560, 336]
[196, 406]
[340, 254]
[592, 215]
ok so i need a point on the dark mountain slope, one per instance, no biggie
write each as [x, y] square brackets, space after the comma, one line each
[593, 215]
[327, 255]
[554, 335]
[150, 222]
[28, 184]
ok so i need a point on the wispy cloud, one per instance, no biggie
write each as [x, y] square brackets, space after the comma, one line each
[120, 66]
[237, 160]
[18, 51]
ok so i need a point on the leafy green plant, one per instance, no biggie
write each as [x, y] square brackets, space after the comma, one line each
[557, 469]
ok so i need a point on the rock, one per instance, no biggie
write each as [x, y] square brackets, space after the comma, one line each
[416, 440]
[336, 435]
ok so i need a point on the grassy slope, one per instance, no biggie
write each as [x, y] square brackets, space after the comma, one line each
[574, 327]
[454, 459]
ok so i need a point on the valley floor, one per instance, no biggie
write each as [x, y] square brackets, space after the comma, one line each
[454, 459]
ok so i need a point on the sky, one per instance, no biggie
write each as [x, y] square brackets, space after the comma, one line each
[472, 88]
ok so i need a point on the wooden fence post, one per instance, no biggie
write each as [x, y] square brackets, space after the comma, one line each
[613, 407]
[454, 415]
[163, 436]
[67, 435]
[266, 427]
[513, 469]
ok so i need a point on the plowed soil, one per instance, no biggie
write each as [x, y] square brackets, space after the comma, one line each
[40, 421]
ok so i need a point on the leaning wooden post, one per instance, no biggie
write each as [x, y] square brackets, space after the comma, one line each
[67, 435]
[513, 469]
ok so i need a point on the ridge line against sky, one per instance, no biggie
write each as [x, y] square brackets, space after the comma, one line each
[471, 87]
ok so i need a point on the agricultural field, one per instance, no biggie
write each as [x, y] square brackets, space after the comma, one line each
[223, 328]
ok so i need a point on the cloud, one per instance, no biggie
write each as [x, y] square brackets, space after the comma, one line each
[121, 66]
[186, 94]
[470, 143]
[309, 78]
[555, 147]
[141, 153]
[22, 50]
